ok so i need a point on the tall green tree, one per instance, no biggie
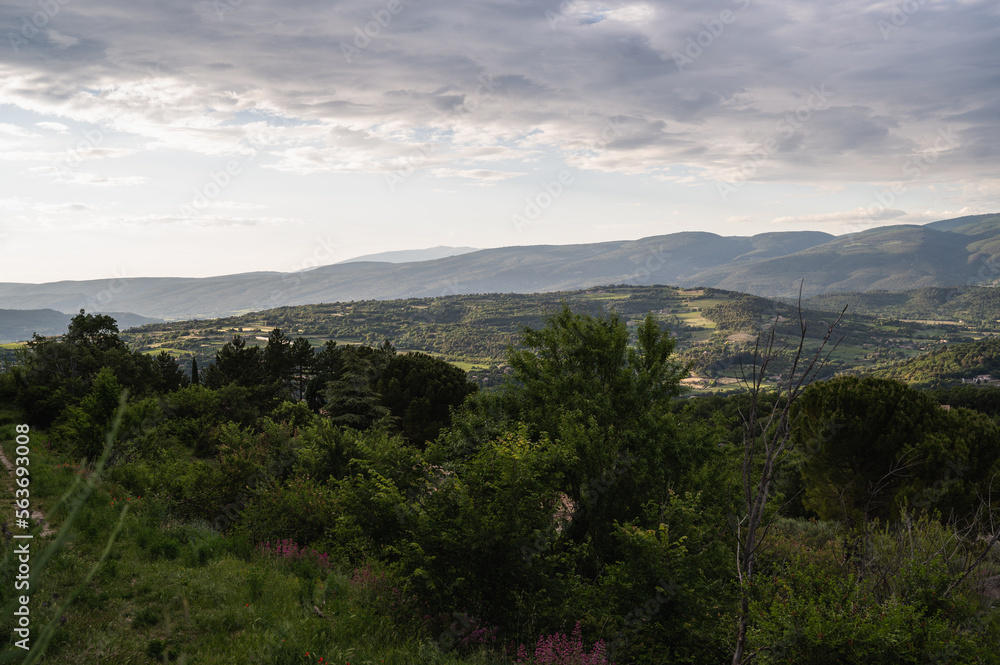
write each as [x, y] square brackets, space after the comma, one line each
[58, 372]
[327, 366]
[167, 373]
[857, 440]
[303, 358]
[421, 391]
[98, 331]
[868, 446]
[278, 359]
[350, 399]
[238, 363]
[581, 381]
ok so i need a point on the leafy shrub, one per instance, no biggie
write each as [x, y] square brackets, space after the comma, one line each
[810, 614]
[301, 510]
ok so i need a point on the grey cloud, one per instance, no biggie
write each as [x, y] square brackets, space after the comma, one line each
[554, 85]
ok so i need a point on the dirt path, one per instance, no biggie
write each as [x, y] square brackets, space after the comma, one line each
[36, 515]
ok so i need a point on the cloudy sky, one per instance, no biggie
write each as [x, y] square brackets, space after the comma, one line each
[192, 138]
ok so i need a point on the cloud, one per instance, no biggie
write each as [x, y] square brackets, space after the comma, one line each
[13, 203]
[594, 84]
[200, 220]
[236, 205]
[65, 208]
[20, 204]
[846, 217]
[14, 130]
[484, 176]
[60, 40]
[93, 179]
[53, 126]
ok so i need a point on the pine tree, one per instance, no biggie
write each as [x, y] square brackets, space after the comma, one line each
[350, 400]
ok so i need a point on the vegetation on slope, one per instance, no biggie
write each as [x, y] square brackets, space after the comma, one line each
[949, 365]
[273, 523]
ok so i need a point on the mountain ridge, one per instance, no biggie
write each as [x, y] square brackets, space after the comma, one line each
[410, 255]
[954, 252]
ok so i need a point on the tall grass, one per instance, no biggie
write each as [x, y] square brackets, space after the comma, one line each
[75, 498]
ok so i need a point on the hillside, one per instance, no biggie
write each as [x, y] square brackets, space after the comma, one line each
[713, 329]
[888, 258]
[947, 366]
[17, 325]
[972, 305]
[541, 268]
[358, 501]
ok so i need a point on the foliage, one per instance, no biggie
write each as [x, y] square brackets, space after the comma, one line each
[420, 391]
[583, 492]
[237, 363]
[350, 398]
[464, 530]
[950, 364]
[82, 428]
[581, 382]
[865, 447]
[811, 608]
[56, 374]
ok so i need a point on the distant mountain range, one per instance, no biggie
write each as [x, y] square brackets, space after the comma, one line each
[952, 252]
[411, 255]
[19, 325]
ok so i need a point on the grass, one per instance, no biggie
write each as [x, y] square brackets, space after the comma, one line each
[229, 609]
[173, 591]
[468, 366]
[604, 296]
[696, 319]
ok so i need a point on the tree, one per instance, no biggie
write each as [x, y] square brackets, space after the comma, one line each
[579, 381]
[350, 399]
[194, 372]
[327, 366]
[857, 439]
[420, 391]
[168, 374]
[278, 359]
[302, 362]
[237, 363]
[83, 427]
[59, 372]
[98, 331]
[869, 447]
[766, 435]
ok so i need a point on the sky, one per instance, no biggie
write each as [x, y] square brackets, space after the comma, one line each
[195, 138]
